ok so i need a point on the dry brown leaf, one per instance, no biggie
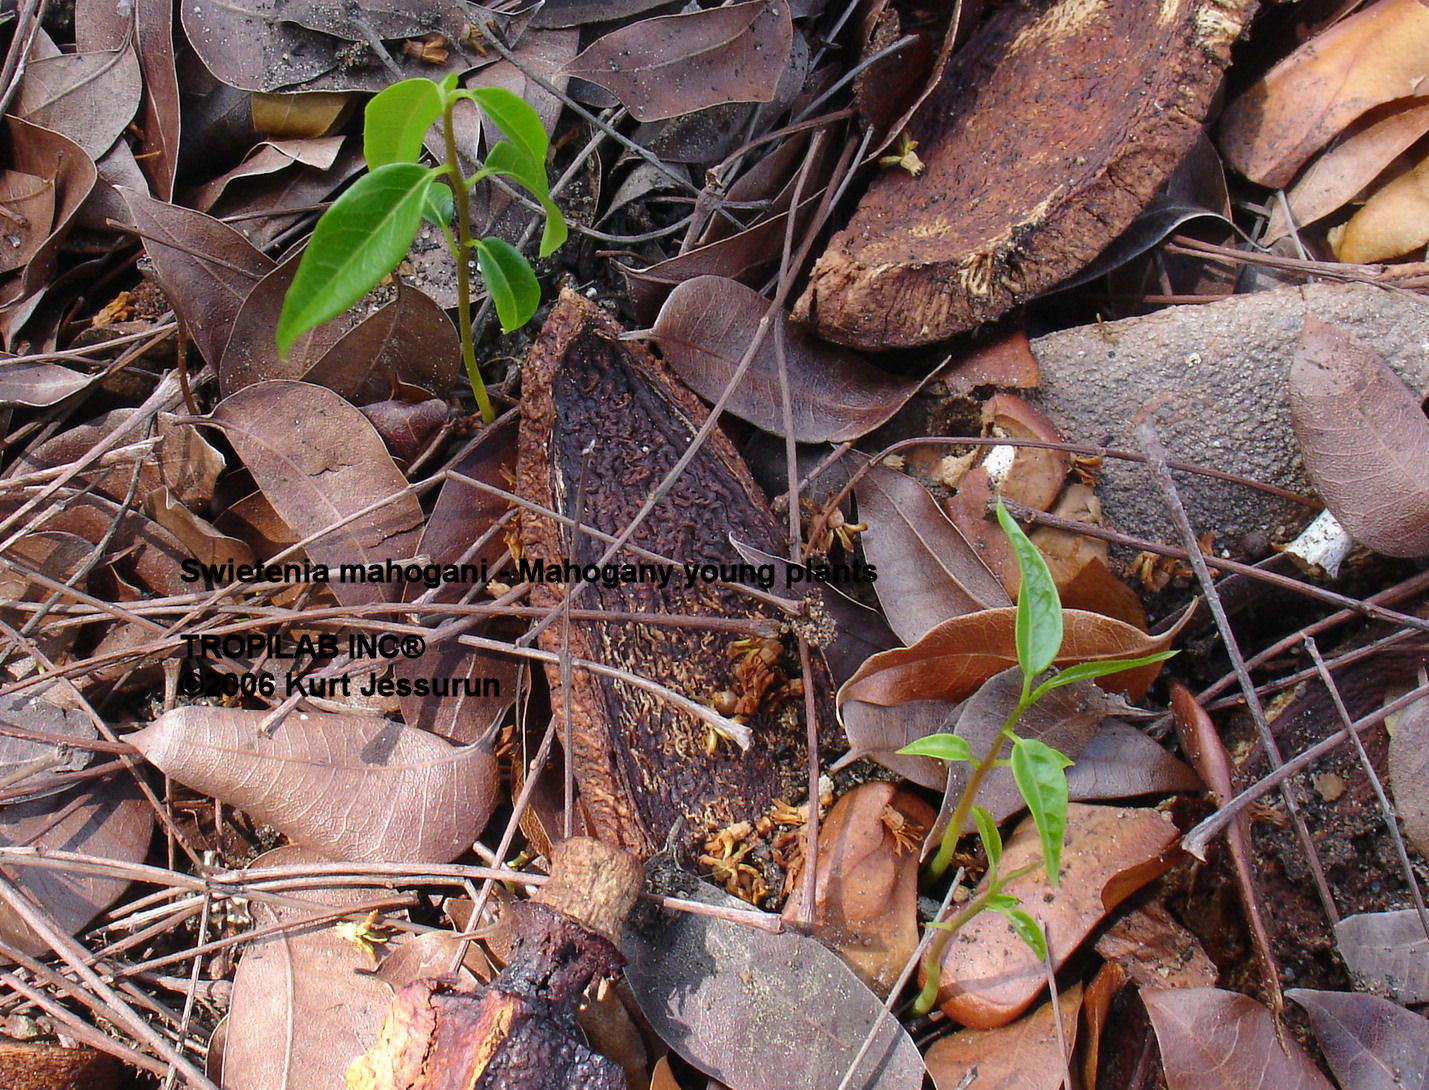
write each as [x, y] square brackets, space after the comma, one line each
[1368, 147]
[350, 786]
[88, 97]
[1024, 1055]
[989, 975]
[289, 115]
[1370, 1043]
[1364, 439]
[1394, 221]
[1387, 951]
[1037, 473]
[1217, 1040]
[318, 461]
[673, 64]
[1377, 55]
[204, 543]
[867, 902]
[927, 571]
[1409, 773]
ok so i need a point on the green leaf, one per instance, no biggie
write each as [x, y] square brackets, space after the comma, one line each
[945, 747]
[509, 281]
[1038, 627]
[1087, 671]
[507, 159]
[513, 116]
[1028, 931]
[988, 834]
[357, 242]
[396, 120]
[1038, 770]
[438, 209]
[1000, 902]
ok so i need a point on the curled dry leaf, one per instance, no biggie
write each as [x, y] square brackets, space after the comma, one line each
[305, 1001]
[673, 64]
[1392, 221]
[1023, 1055]
[708, 323]
[1377, 55]
[45, 154]
[989, 975]
[1364, 439]
[31, 200]
[1037, 473]
[1370, 1043]
[1217, 1040]
[1387, 951]
[769, 991]
[108, 818]
[198, 536]
[318, 461]
[350, 786]
[1409, 773]
[867, 901]
[927, 571]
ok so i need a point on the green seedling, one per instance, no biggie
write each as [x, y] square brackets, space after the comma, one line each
[367, 231]
[1038, 770]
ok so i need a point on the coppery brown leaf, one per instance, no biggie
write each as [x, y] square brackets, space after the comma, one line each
[927, 571]
[1217, 1040]
[1391, 222]
[1364, 439]
[1370, 1043]
[989, 975]
[350, 786]
[1023, 1055]
[318, 461]
[708, 323]
[672, 64]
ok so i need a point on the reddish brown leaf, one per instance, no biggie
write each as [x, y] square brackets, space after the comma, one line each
[1364, 439]
[1374, 56]
[1024, 1055]
[1037, 473]
[927, 571]
[318, 461]
[989, 975]
[867, 901]
[1155, 951]
[1217, 1040]
[1388, 951]
[351, 786]
[1121, 762]
[1370, 1043]
[673, 64]
[708, 323]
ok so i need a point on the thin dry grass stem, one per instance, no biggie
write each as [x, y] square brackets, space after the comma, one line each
[1146, 435]
[1385, 806]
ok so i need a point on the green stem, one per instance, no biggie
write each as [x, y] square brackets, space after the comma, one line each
[940, 862]
[933, 961]
[462, 205]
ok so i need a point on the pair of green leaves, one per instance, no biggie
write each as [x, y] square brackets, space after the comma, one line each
[368, 230]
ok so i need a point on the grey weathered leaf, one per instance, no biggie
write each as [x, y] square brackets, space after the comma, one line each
[29, 766]
[1387, 951]
[1409, 772]
[1364, 438]
[88, 97]
[708, 322]
[351, 786]
[1370, 1043]
[927, 570]
[729, 998]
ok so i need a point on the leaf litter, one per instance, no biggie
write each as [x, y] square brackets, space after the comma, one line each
[136, 535]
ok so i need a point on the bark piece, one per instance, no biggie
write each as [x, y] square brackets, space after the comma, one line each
[1053, 129]
[641, 763]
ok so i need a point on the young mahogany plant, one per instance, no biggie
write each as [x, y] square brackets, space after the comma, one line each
[1038, 770]
[367, 231]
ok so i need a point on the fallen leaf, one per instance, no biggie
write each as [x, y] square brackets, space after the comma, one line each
[1364, 439]
[1387, 951]
[866, 907]
[1023, 1055]
[305, 1001]
[989, 975]
[1155, 951]
[1370, 1043]
[1391, 222]
[927, 571]
[289, 116]
[88, 97]
[707, 324]
[108, 818]
[672, 64]
[1120, 762]
[30, 200]
[1037, 473]
[351, 786]
[29, 766]
[204, 543]
[779, 995]
[318, 461]
[1376, 55]
[1217, 1040]
[1409, 773]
